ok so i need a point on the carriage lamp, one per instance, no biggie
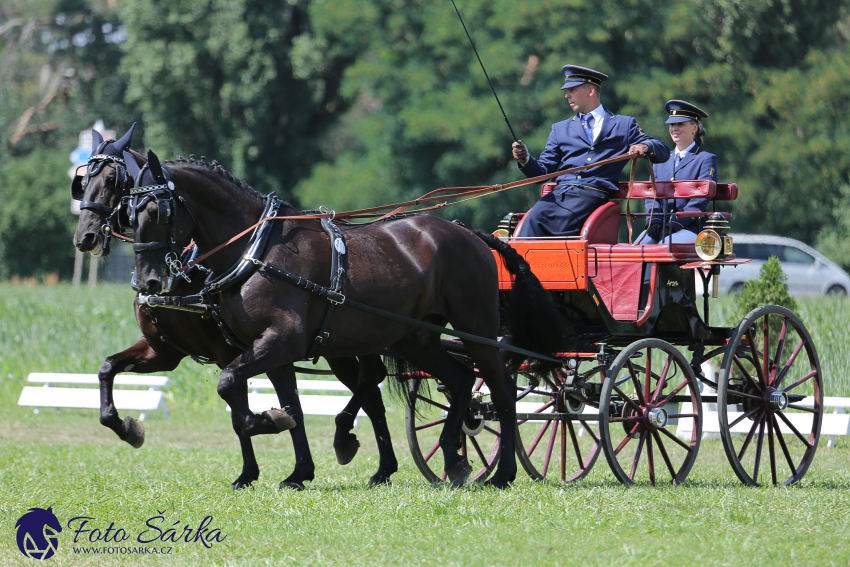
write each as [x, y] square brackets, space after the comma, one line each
[507, 226]
[714, 240]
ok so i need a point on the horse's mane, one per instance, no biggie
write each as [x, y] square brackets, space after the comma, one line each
[216, 168]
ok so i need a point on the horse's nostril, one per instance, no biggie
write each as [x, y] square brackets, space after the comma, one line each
[87, 242]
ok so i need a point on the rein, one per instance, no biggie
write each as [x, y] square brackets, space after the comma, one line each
[470, 193]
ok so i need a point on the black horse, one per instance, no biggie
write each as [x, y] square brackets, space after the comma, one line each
[170, 335]
[420, 267]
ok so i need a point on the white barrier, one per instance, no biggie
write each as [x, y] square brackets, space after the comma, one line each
[49, 395]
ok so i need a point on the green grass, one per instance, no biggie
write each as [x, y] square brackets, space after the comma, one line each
[69, 461]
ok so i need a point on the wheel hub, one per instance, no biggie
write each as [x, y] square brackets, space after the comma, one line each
[777, 400]
[473, 421]
[657, 417]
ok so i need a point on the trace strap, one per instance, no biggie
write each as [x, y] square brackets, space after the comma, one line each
[336, 298]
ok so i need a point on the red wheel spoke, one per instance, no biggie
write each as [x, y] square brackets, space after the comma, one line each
[445, 474]
[782, 444]
[794, 429]
[574, 438]
[684, 445]
[480, 453]
[765, 360]
[664, 455]
[636, 382]
[756, 359]
[478, 384]
[637, 456]
[431, 424]
[541, 409]
[650, 461]
[493, 431]
[803, 408]
[662, 379]
[628, 400]
[750, 435]
[563, 451]
[771, 450]
[589, 431]
[648, 373]
[745, 395]
[539, 437]
[673, 393]
[432, 402]
[800, 381]
[746, 374]
[744, 416]
[758, 452]
[781, 344]
[549, 449]
[432, 451]
[463, 444]
[627, 439]
[621, 419]
[788, 365]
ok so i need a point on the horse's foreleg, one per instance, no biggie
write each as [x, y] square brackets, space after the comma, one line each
[140, 357]
[250, 468]
[266, 354]
[286, 387]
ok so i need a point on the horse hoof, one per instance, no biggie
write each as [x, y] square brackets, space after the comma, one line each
[497, 483]
[297, 486]
[380, 480]
[345, 452]
[459, 473]
[239, 485]
[135, 432]
[281, 420]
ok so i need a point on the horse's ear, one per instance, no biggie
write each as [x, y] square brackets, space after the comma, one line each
[133, 168]
[96, 140]
[155, 167]
[124, 142]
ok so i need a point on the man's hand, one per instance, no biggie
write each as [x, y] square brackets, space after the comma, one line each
[520, 152]
[639, 150]
[654, 232]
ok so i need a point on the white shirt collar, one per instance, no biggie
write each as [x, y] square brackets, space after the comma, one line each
[687, 150]
[596, 112]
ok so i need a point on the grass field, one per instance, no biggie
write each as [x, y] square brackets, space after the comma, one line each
[68, 461]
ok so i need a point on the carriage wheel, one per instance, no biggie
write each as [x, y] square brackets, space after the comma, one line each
[770, 398]
[425, 414]
[561, 451]
[640, 411]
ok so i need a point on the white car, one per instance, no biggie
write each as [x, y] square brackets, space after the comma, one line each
[809, 272]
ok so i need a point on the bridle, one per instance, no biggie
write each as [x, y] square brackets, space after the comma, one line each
[163, 194]
[123, 182]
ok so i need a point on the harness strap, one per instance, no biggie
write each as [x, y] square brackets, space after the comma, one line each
[142, 246]
[339, 299]
[337, 252]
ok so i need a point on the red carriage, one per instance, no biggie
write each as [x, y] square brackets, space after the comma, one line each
[631, 380]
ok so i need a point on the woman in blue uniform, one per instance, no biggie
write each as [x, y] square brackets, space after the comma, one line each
[687, 161]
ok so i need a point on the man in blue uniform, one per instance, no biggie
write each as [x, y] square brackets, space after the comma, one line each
[593, 134]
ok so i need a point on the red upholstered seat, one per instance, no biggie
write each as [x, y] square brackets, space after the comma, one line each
[603, 225]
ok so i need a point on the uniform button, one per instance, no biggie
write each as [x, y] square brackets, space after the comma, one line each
[588, 159]
[672, 179]
[591, 147]
[578, 176]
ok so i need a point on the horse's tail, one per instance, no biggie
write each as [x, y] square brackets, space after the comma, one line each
[533, 320]
[400, 386]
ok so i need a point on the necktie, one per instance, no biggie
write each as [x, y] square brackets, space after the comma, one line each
[677, 160]
[587, 124]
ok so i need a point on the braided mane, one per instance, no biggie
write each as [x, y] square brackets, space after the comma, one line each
[216, 168]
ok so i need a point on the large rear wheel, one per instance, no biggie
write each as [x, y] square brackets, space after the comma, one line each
[770, 398]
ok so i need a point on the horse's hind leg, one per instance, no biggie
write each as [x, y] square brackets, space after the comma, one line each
[428, 355]
[363, 381]
[139, 358]
[491, 367]
[250, 468]
[285, 385]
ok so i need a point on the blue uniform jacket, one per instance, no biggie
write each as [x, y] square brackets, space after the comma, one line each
[567, 147]
[697, 164]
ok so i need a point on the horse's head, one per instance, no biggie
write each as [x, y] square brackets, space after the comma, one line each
[99, 185]
[161, 222]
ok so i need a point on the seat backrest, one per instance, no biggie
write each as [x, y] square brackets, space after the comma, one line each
[603, 225]
[671, 190]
